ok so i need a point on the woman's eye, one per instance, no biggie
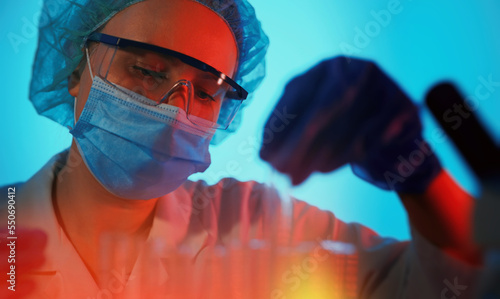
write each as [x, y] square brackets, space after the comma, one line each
[149, 73]
[203, 95]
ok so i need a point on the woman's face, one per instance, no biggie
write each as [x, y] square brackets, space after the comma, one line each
[181, 25]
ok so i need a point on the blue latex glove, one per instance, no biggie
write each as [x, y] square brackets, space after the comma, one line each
[347, 110]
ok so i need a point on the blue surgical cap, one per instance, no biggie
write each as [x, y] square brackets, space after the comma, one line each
[65, 24]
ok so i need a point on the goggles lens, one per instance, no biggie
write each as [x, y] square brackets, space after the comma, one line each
[209, 100]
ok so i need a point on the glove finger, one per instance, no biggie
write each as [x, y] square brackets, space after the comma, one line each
[305, 96]
[323, 146]
[286, 153]
[294, 103]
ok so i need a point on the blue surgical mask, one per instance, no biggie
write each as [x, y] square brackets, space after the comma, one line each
[134, 148]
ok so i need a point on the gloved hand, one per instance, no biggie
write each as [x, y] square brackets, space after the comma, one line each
[347, 110]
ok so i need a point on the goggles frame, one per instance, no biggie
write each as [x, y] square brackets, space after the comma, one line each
[239, 94]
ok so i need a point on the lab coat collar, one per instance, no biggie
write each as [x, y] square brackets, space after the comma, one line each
[36, 211]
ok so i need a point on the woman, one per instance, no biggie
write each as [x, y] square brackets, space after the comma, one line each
[145, 86]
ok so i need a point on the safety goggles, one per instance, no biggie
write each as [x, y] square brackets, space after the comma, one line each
[209, 97]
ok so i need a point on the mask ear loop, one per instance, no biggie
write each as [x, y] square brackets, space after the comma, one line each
[74, 113]
[91, 76]
[88, 62]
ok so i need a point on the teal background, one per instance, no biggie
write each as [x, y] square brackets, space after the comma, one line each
[425, 42]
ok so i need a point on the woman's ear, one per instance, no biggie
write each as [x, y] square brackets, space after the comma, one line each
[74, 82]
[74, 78]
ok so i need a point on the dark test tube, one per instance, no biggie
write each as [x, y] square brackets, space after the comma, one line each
[469, 136]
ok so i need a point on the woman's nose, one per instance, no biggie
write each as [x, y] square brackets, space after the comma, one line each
[179, 95]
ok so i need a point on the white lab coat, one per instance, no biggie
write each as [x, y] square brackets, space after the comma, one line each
[197, 215]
